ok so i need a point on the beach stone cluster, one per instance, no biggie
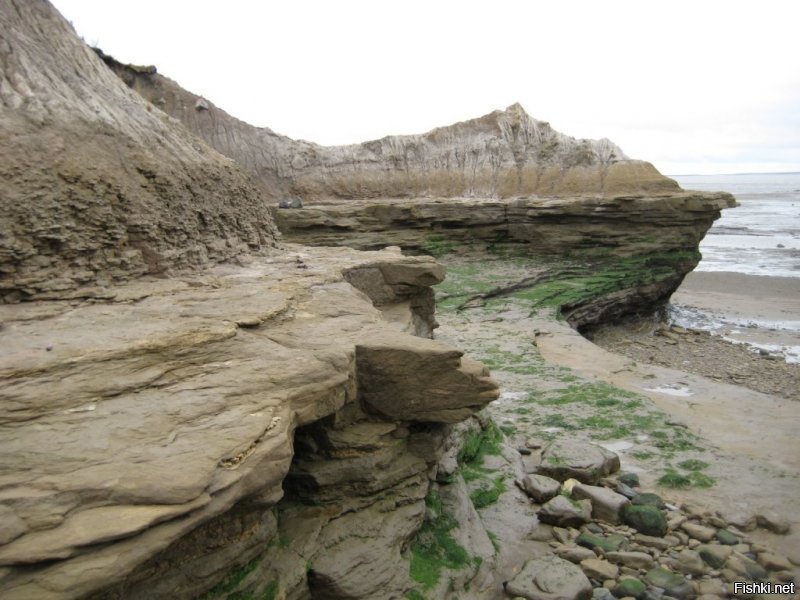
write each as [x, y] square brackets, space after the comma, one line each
[613, 541]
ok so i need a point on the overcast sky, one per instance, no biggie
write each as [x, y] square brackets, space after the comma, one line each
[694, 87]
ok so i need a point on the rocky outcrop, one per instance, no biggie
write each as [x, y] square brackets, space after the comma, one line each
[156, 401]
[504, 178]
[620, 225]
[503, 154]
[195, 427]
[98, 187]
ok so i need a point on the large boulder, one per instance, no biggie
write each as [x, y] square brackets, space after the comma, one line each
[568, 458]
[550, 578]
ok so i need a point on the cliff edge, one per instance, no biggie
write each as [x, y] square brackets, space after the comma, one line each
[504, 154]
[172, 374]
[98, 187]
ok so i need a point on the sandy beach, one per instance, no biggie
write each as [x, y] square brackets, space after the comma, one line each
[729, 327]
[742, 297]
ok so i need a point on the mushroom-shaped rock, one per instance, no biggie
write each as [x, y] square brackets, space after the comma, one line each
[416, 379]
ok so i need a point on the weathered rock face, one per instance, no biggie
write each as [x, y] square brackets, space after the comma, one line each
[621, 225]
[195, 426]
[147, 424]
[503, 154]
[502, 178]
[98, 187]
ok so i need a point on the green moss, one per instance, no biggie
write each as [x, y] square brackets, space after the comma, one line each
[488, 495]
[646, 519]
[555, 420]
[642, 454]
[600, 278]
[415, 595]
[701, 480]
[693, 465]
[233, 580]
[474, 472]
[433, 548]
[479, 444]
[609, 543]
[271, 591]
[508, 429]
[438, 245]
[673, 479]
[493, 539]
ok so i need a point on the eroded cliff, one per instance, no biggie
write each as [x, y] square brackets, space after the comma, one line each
[501, 179]
[504, 154]
[190, 411]
[98, 187]
[151, 389]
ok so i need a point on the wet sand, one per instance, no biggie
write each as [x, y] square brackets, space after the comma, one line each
[746, 297]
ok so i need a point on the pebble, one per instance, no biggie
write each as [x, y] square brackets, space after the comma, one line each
[699, 558]
[655, 542]
[699, 532]
[773, 562]
[598, 569]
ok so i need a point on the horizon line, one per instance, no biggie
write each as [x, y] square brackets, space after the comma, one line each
[741, 173]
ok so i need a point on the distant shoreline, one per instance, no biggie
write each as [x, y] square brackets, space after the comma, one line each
[731, 174]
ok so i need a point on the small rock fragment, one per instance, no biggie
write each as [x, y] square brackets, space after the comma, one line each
[629, 587]
[635, 560]
[599, 569]
[699, 532]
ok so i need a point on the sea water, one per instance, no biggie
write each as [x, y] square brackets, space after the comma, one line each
[759, 237]
[762, 235]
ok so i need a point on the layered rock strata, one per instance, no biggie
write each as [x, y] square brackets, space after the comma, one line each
[150, 396]
[619, 225]
[504, 178]
[97, 186]
[160, 431]
[504, 154]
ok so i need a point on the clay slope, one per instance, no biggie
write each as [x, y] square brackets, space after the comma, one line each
[504, 154]
[98, 187]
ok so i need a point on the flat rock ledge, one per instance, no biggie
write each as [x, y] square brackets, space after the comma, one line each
[126, 424]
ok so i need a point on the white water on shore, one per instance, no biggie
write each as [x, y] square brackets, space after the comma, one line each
[759, 237]
[762, 235]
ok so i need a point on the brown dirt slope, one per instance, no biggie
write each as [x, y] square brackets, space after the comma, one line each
[96, 185]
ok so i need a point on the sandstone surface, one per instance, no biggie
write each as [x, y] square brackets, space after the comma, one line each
[191, 409]
[158, 398]
[201, 410]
